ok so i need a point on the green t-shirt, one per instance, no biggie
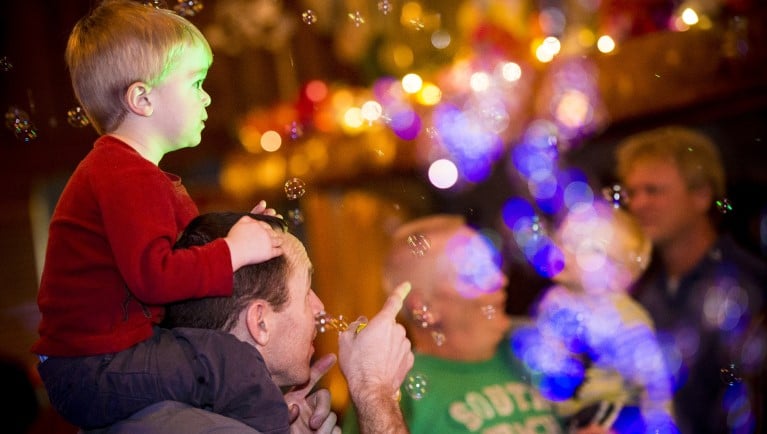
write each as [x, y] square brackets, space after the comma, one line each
[491, 397]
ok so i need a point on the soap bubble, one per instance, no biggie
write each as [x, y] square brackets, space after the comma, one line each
[439, 337]
[615, 195]
[488, 311]
[423, 316]
[730, 375]
[296, 217]
[356, 18]
[724, 206]
[188, 8]
[385, 6]
[295, 188]
[309, 17]
[417, 24]
[17, 120]
[295, 130]
[5, 64]
[416, 385]
[77, 117]
[157, 4]
[419, 244]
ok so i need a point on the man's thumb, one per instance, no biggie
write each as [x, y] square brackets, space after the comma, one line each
[293, 412]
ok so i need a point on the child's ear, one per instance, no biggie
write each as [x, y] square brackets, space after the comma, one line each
[137, 99]
[258, 321]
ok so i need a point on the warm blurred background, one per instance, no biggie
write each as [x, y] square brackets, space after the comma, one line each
[387, 109]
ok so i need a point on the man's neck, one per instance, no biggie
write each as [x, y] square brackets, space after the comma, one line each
[680, 255]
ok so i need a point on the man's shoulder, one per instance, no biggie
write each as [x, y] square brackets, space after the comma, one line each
[742, 259]
[169, 417]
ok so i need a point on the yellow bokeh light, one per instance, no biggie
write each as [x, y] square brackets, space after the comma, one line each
[411, 11]
[605, 44]
[429, 95]
[342, 99]
[250, 137]
[689, 17]
[371, 111]
[402, 56]
[298, 165]
[271, 141]
[574, 109]
[479, 81]
[547, 49]
[586, 38]
[511, 71]
[412, 83]
[353, 119]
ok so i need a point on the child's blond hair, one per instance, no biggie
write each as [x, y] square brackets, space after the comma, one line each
[119, 43]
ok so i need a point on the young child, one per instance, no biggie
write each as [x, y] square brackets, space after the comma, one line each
[110, 267]
[606, 368]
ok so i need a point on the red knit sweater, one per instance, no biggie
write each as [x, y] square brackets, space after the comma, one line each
[109, 265]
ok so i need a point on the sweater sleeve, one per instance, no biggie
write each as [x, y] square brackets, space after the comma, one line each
[143, 212]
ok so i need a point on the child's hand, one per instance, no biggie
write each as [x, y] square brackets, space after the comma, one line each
[261, 208]
[252, 241]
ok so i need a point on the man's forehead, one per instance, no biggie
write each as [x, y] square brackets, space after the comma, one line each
[295, 252]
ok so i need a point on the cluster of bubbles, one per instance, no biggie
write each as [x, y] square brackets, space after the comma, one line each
[424, 318]
[77, 118]
[18, 121]
[327, 322]
[295, 188]
[184, 8]
[416, 384]
[310, 17]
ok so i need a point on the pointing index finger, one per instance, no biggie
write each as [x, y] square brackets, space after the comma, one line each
[396, 299]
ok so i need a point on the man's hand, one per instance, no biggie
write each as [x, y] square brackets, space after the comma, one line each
[377, 355]
[375, 360]
[310, 413]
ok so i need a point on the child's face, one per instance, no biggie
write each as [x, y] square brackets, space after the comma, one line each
[179, 101]
[601, 255]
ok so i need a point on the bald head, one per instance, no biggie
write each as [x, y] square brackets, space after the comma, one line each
[417, 251]
[456, 308]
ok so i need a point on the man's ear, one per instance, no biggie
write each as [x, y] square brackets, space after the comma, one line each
[137, 99]
[257, 319]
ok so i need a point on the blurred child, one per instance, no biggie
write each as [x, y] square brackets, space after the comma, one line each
[604, 365]
[110, 267]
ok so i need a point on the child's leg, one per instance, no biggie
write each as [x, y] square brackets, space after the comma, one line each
[204, 368]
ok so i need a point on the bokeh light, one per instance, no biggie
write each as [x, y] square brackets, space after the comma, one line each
[443, 173]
